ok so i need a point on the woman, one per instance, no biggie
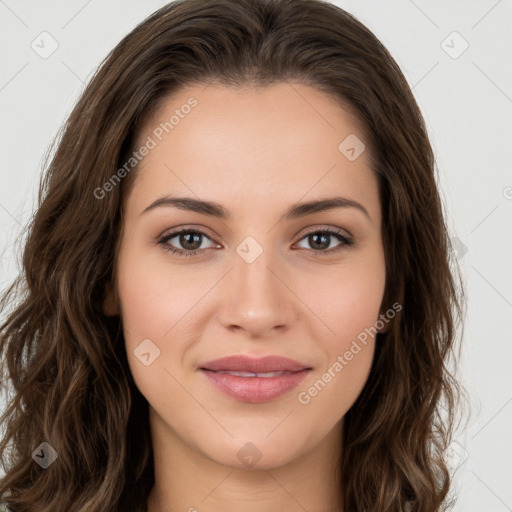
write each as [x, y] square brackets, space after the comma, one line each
[237, 290]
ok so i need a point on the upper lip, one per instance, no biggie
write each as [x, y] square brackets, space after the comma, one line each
[242, 363]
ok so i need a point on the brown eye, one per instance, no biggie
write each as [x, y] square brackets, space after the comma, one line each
[321, 239]
[188, 242]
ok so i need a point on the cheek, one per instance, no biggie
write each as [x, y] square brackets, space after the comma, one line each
[351, 315]
[155, 298]
[151, 306]
[348, 304]
[346, 299]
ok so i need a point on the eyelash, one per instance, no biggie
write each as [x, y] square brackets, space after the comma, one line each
[346, 241]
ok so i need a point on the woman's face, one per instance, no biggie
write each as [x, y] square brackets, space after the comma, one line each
[261, 282]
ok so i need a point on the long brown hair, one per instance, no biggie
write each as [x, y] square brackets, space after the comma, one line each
[70, 381]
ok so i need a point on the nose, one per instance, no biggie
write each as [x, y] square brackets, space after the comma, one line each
[256, 298]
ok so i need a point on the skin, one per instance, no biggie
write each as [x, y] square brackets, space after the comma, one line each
[256, 152]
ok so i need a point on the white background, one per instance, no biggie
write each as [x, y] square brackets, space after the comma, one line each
[467, 104]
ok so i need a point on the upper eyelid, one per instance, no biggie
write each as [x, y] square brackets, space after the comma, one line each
[176, 231]
[314, 229]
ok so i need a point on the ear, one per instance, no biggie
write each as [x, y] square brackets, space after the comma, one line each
[109, 306]
[387, 326]
[383, 323]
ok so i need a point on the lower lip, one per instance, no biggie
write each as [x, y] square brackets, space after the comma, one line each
[255, 389]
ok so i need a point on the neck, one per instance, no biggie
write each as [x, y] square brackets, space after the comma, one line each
[187, 480]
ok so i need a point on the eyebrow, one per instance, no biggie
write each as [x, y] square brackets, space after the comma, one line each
[296, 211]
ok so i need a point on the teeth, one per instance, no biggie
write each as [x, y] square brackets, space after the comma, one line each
[250, 374]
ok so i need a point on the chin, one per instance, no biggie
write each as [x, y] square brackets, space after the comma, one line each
[255, 450]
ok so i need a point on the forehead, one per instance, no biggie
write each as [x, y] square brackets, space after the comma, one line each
[244, 145]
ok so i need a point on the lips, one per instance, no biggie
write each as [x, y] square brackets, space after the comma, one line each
[253, 380]
[240, 363]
